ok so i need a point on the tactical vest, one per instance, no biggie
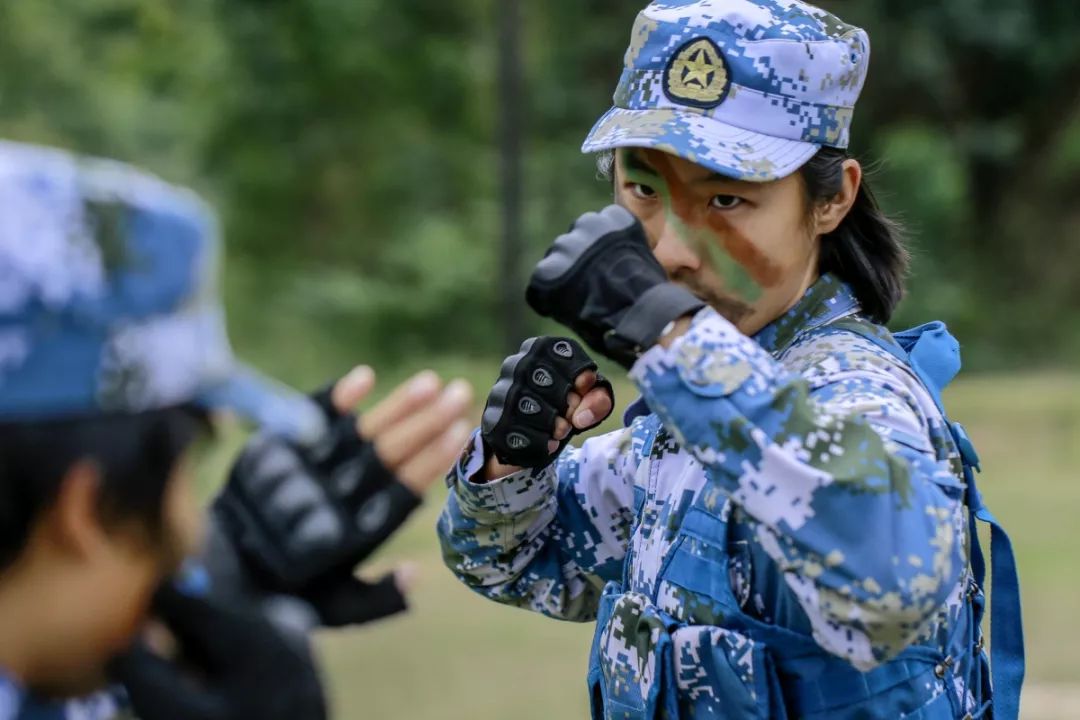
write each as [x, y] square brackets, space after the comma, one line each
[745, 668]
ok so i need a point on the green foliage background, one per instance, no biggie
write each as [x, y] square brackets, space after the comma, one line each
[350, 147]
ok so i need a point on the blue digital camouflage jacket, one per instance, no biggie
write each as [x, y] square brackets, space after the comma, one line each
[823, 458]
[17, 704]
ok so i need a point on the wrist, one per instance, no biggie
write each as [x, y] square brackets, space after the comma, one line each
[494, 470]
[674, 330]
[659, 313]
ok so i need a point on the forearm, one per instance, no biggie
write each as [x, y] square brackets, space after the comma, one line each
[498, 539]
[543, 539]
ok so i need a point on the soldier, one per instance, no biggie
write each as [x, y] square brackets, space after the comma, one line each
[781, 528]
[113, 356]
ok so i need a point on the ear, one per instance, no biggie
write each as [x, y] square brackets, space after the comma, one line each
[74, 522]
[832, 212]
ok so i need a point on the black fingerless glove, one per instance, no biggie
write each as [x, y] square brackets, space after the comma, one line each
[301, 518]
[602, 281]
[293, 526]
[530, 394]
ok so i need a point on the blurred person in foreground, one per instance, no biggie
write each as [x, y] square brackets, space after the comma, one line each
[113, 361]
[782, 528]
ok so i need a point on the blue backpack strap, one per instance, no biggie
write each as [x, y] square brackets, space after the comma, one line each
[933, 354]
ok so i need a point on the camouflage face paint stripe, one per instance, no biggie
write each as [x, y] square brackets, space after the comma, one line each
[742, 269]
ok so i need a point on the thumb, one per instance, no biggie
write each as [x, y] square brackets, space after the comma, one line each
[595, 406]
[351, 389]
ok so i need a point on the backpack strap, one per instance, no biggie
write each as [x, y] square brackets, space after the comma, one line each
[933, 354]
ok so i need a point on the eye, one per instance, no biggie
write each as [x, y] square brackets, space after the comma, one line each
[643, 192]
[725, 202]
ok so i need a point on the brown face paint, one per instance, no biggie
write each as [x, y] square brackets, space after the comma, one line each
[696, 216]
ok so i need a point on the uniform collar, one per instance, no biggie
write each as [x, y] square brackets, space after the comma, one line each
[827, 300]
[11, 697]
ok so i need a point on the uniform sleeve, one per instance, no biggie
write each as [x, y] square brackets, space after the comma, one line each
[837, 477]
[549, 539]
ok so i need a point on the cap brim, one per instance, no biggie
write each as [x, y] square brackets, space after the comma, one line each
[731, 151]
[273, 406]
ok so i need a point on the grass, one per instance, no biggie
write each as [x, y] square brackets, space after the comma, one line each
[457, 655]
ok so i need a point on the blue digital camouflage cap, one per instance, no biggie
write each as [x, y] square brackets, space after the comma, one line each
[109, 298]
[748, 88]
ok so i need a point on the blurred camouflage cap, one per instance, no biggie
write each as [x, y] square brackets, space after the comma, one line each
[748, 88]
[109, 298]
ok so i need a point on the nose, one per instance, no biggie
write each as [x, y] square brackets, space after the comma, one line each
[673, 253]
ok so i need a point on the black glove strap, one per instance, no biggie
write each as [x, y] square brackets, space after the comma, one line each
[640, 328]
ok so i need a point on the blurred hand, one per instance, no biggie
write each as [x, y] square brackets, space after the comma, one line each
[417, 431]
[545, 394]
[302, 518]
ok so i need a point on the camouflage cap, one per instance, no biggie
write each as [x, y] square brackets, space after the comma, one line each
[748, 88]
[109, 298]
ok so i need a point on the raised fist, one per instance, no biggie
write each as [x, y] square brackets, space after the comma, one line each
[297, 520]
[602, 281]
[545, 394]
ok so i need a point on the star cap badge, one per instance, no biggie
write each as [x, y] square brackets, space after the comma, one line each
[697, 75]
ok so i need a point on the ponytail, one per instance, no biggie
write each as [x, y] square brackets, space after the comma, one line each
[867, 250]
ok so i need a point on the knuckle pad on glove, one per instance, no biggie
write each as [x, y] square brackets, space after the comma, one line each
[519, 420]
[289, 513]
[522, 446]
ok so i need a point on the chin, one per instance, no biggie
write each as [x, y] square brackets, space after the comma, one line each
[74, 684]
[734, 311]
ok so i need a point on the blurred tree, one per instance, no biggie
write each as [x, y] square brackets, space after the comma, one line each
[979, 98]
[133, 79]
[352, 146]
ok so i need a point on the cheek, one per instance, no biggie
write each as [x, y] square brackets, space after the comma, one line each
[112, 605]
[649, 213]
[775, 248]
[118, 601]
[737, 256]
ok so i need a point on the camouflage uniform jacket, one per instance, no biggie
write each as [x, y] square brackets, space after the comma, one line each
[798, 488]
[17, 704]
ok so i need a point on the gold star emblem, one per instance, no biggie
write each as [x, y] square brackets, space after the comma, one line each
[697, 74]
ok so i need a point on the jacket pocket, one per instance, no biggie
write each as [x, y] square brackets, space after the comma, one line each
[720, 674]
[630, 659]
[703, 580]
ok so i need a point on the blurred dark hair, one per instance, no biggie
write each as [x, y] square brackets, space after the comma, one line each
[136, 455]
[867, 250]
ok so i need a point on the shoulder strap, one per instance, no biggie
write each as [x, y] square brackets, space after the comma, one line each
[933, 355]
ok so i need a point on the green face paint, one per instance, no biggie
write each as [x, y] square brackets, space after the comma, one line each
[706, 233]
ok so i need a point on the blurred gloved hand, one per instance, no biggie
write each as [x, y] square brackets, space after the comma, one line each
[232, 664]
[602, 281]
[296, 520]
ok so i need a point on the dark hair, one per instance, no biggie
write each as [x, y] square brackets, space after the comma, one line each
[136, 454]
[866, 250]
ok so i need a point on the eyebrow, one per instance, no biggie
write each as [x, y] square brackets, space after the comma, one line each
[633, 162]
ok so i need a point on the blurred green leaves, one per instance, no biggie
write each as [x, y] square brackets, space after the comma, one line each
[350, 147]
